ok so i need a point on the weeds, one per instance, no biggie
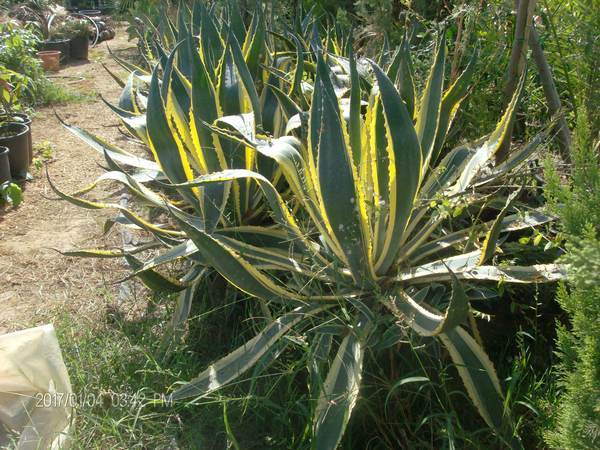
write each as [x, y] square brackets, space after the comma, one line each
[51, 93]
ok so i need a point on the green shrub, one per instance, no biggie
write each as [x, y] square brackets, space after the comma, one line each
[577, 414]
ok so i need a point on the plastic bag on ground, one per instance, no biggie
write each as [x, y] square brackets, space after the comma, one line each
[35, 391]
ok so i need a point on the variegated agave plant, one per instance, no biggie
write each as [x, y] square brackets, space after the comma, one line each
[365, 236]
[359, 232]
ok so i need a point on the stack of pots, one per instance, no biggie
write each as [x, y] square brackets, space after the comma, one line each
[16, 152]
[61, 45]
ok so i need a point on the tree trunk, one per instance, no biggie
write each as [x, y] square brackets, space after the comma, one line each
[551, 93]
[516, 64]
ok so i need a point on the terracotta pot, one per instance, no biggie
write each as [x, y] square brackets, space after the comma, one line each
[62, 45]
[14, 136]
[50, 60]
[4, 165]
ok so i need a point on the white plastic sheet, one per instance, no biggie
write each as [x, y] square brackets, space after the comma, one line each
[35, 391]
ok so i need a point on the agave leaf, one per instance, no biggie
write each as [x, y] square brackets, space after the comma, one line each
[254, 43]
[179, 251]
[491, 238]
[258, 236]
[428, 116]
[339, 393]
[131, 216]
[242, 124]
[516, 158]
[154, 280]
[108, 253]
[141, 192]
[344, 208]
[236, 22]
[136, 124]
[404, 154]
[125, 64]
[405, 77]
[207, 150]
[280, 211]
[444, 267]
[538, 273]
[247, 81]
[166, 150]
[127, 99]
[211, 42]
[204, 109]
[184, 58]
[481, 382]
[272, 257]
[488, 149]
[243, 358]
[447, 172]
[115, 153]
[231, 265]
[114, 76]
[450, 103]
[184, 302]
[354, 126]
[288, 106]
[429, 323]
[93, 253]
[317, 360]
[295, 88]
[513, 222]
[196, 22]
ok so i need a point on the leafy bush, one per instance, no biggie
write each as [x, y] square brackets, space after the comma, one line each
[71, 28]
[18, 46]
[577, 417]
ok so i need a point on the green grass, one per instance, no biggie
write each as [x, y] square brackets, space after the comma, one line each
[122, 364]
[118, 367]
[51, 93]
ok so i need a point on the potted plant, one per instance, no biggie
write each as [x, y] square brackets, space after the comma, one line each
[58, 40]
[41, 16]
[15, 133]
[78, 30]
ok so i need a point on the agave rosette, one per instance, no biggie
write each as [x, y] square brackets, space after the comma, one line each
[337, 222]
[366, 236]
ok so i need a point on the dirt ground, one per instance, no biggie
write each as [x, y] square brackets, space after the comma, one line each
[36, 282]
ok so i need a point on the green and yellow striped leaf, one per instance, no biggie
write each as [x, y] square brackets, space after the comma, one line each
[243, 358]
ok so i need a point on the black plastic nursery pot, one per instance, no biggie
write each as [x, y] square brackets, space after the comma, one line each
[4, 165]
[25, 120]
[14, 136]
[63, 45]
[79, 48]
